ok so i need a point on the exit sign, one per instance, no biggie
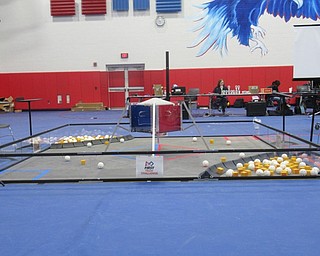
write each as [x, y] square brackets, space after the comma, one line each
[124, 55]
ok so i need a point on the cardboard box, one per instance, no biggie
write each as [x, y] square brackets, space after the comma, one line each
[266, 90]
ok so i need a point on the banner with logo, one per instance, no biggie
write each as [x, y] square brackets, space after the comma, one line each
[149, 166]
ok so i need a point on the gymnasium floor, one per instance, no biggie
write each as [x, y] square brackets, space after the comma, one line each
[167, 218]
[216, 217]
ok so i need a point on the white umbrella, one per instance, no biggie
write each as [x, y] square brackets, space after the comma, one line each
[155, 101]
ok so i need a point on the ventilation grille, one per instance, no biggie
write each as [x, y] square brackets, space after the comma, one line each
[163, 6]
[93, 7]
[63, 7]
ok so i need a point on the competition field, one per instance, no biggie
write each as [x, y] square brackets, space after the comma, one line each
[192, 157]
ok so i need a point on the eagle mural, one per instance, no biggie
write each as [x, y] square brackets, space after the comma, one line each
[240, 18]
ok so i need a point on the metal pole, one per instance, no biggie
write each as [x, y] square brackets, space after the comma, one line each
[167, 77]
[314, 98]
[30, 121]
[284, 105]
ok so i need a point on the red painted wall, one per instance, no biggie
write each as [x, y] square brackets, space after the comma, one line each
[80, 86]
[93, 86]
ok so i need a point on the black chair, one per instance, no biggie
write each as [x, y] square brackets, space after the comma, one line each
[217, 102]
[192, 98]
[192, 94]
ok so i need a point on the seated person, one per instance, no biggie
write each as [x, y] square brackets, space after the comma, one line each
[275, 88]
[221, 100]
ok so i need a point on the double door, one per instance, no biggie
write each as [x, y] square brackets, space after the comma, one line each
[124, 80]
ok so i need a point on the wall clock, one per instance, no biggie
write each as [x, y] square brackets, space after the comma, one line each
[160, 21]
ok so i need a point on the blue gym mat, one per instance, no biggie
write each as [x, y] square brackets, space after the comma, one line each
[260, 217]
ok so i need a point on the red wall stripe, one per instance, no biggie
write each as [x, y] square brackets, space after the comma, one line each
[93, 86]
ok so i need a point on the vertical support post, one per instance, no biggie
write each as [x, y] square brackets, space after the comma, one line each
[30, 122]
[284, 105]
[314, 101]
[167, 77]
[153, 127]
[126, 83]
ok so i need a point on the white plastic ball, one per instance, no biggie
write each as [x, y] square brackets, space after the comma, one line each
[272, 168]
[251, 167]
[100, 165]
[314, 172]
[259, 172]
[229, 173]
[265, 161]
[250, 162]
[298, 160]
[279, 170]
[279, 159]
[266, 173]
[283, 166]
[122, 140]
[205, 163]
[257, 160]
[242, 155]
[67, 158]
[228, 142]
[89, 144]
[194, 139]
[303, 172]
[274, 162]
[288, 169]
[315, 168]
[239, 165]
[302, 164]
[284, 155]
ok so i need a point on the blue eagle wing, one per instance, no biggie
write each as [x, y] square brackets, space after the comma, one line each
[288, 9]
[310, 9]
[216, 22]
[247, 14]
[220, 18]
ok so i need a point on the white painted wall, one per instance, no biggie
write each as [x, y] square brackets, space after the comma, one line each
[31, 40]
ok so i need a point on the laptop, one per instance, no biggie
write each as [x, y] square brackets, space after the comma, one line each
[303, 88]
[178, 90]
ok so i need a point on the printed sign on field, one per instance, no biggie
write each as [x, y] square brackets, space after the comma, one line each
[149, 166]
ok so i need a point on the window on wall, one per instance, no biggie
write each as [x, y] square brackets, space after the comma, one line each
[141, 5]
[90, 7]
[120, 5]
[163, 6]
[63, 7]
